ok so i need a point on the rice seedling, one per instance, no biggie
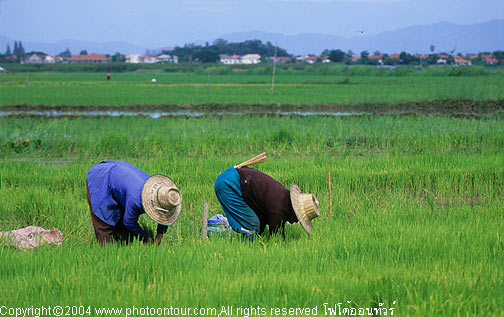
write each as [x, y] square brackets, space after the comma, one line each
[417, 224]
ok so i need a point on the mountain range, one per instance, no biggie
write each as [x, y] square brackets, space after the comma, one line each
[444, 37]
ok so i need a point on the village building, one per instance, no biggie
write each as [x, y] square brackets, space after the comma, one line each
[491, 61]
[240, 59]
[150, 59]
[38, 58]
[92, 58]
[308, 59]
[134, 58]
[280, 59]
[250, 59]
[229, 59]
[325, 59]
[377, 58]
[165, 58]
[34, 58]
[461, 61]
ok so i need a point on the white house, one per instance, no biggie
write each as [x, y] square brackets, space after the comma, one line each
[34, 58]
[251, 59]
[134, 58]
[165, 58]
[229, 60]
[53, 59]
[150, 59]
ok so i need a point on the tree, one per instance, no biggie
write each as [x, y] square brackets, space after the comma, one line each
[377, 53]
[364, 57]
[118, 58]
[19, 51]
[336, 56]
[220, 44]
[207, 56]
[8, 51]
[499, 55]
[83, 52]
[65, 54]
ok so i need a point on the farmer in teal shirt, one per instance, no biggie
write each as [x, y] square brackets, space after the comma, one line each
[118, 193]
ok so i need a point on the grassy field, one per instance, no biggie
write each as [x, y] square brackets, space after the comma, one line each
[417, 203]
[183, 89]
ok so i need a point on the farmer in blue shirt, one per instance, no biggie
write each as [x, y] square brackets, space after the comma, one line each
[118, 193]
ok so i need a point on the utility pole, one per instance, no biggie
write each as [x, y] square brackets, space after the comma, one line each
[274, 66]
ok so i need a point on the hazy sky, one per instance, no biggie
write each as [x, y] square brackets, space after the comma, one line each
[158, 23]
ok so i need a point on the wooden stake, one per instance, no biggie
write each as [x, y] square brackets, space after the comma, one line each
[204, 231]
[330, 196]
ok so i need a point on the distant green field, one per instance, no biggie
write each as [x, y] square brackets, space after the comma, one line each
[179, 89]
[417, 226]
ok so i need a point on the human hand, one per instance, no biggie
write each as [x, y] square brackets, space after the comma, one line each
[159, 237]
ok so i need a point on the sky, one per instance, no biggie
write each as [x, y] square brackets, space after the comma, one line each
[165, 23]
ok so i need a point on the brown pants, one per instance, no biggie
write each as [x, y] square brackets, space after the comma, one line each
[106, 233]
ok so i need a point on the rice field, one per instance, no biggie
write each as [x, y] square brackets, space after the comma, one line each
[417, 215]
[127, 89]
[417, 202]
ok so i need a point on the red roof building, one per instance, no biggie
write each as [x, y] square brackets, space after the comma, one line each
[92, 58]
[281, 59]
[461, 61]
[395, 56]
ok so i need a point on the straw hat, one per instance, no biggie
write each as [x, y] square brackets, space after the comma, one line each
[306, 207]
[161, 199]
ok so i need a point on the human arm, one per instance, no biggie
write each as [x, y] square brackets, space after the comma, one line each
[276, 222]
[130, 221]
[161, 230]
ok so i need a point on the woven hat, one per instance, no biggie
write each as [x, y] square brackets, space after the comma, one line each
[306, 207]
[161, 199]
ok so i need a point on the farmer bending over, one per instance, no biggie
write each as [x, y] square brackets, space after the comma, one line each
[118, 193]
[252, 199]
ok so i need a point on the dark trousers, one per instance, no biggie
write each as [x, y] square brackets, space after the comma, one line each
[106, 233]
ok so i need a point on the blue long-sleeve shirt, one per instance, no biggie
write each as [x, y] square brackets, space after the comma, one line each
[115, 189]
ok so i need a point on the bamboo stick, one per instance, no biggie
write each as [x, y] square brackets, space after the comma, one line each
[204, 230]
[255, 160]
[330, 195]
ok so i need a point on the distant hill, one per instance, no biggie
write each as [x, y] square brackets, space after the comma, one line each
[488, 36]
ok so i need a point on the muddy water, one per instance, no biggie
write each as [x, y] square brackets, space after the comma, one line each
[158, 114]
[447, 108]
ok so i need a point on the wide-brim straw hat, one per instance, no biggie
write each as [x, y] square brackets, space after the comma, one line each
[161, 199]
[306, 207]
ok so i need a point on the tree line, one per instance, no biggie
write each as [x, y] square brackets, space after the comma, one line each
[18, 54]
[209, 53]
